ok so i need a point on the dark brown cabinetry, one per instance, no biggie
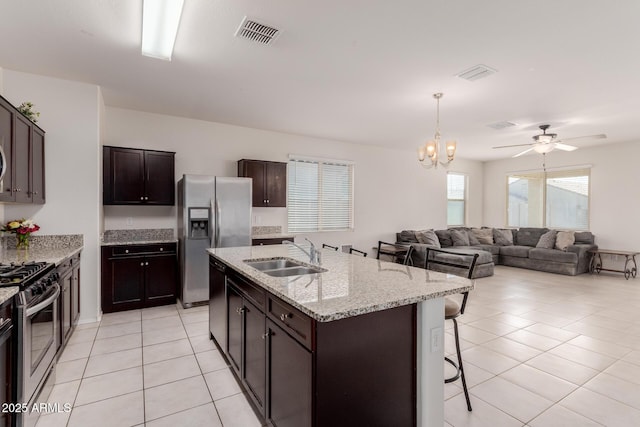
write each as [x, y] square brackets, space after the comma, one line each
[262, 242]
[23, 161]
[6, 361]
[138, 177]
[269, 181]
[69, 302]
[137, 276]
[299, 372]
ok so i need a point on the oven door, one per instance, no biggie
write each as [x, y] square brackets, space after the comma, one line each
[40, 325]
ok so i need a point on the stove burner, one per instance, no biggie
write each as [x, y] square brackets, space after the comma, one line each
[18, 274]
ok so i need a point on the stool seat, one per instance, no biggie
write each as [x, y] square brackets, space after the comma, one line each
[451, 308]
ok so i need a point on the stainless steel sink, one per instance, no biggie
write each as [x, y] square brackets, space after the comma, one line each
[284, 267]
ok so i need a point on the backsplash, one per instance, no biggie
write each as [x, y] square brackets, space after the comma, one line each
[142, 234]
[266, 229]
[54, 241]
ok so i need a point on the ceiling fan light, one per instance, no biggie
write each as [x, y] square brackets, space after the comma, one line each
[544, 139]
[543, 148]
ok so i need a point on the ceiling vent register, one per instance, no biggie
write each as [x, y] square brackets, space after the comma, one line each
[501, 125]
[476, 73]
[257, 32]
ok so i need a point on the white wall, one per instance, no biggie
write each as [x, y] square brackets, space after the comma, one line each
[392, 191]
[614, 201]
[70, 115]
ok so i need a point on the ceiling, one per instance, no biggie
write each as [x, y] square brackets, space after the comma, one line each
[361, 71]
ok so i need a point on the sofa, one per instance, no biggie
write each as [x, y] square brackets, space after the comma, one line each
[541, 249]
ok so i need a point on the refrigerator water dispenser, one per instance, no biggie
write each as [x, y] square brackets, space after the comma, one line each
[198, 223]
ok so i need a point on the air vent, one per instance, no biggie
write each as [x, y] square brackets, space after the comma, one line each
[501, 125]
[257, 32]
[476, 73]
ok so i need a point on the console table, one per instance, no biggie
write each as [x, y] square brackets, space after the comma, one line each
[630, 266]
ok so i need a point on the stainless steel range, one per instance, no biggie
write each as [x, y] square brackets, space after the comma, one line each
[38, 326]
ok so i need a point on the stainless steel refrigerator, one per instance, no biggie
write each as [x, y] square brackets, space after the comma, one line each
[213, 212]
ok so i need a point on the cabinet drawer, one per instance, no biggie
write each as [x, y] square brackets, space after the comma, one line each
[252, 292]
[143, 249]
[293, 321]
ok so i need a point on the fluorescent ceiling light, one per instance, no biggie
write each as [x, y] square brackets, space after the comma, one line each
[160, 20]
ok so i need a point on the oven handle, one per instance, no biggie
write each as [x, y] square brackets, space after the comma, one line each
[40, 306]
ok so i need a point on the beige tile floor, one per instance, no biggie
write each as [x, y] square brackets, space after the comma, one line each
[540, 350]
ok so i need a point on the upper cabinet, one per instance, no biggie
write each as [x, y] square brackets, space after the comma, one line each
[138, 177]
[21, 157]
[269, 182]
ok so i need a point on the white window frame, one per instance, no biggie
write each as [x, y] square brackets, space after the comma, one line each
[544, 175]
[464, 200]
[296, 225]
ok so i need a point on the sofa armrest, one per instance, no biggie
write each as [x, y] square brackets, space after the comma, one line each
[584, 257]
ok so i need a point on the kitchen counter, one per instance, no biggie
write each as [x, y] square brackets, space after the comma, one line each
[352, 286]
[39, 254]
[6, 293]
[137, 242]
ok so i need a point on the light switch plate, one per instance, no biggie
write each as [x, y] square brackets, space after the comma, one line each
[436, 340]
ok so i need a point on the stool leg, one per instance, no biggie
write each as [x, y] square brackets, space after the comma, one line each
[464, 382]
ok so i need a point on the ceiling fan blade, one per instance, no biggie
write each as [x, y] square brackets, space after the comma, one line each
[524, 152]
[598, 136]
[565, 147]
[514, 145]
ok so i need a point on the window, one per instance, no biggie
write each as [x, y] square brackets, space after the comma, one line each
[320, 195]
[456, 199]
[558, 199]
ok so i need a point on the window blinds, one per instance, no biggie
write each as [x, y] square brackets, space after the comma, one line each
[320, 195]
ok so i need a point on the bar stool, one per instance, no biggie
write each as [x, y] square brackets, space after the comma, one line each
[324, 245]
[464, 264]
[351, 251]
[400, 252]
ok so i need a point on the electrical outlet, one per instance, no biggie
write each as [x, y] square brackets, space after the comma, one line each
[436, 340]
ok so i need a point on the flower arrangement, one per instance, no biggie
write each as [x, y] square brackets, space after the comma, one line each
[26, 108]
[22, 228]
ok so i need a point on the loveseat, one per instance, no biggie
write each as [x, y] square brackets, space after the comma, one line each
[539, 249]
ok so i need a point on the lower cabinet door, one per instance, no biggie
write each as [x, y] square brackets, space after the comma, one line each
[75, 293]
[255, 360]
[235, 322]
[160, 283]
[125, 287]
[66, 283]
[289, 379]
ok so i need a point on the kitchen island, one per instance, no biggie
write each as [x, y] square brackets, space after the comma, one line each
[360, 343]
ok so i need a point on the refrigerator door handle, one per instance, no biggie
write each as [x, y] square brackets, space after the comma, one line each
[218, 218]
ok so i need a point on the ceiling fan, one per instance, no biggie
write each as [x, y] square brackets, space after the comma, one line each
[547, 142]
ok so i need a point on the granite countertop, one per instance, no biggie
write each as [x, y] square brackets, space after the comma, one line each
[272, 236]
[6, 293]
[353, 285]
[42, 254]
[137, 242]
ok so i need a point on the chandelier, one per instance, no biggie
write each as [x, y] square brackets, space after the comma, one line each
[429, 154]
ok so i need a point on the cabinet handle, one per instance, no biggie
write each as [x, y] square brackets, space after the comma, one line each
[267, 200]
[146, 263]
[284, 317]
[264, 336]
[161, 249]
[35, 193]
[141, 198]
[146, 198]
[240, 310]
[142, 264]
[126, 251]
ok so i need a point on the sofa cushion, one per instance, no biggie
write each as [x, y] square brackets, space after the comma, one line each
[445, 238]
[473, 240]
[408, 236]
[428, 237]
[529, 236]
[547, 240]
[492, 249]
[484, 235]
[502, 236]
[517, 251]
[564, 239]
[459, 238]
[484, 257]
[553, 255]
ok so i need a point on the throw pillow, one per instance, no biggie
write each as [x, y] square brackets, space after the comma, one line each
[529, 236]
[547, 240]
[459, 238]
[473, 240]
[564, 239]
[428, 237]
[484, 235]
[445, 238]
[408, 236]
[503, 236]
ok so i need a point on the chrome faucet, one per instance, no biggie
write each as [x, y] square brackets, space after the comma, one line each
[314, 254]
